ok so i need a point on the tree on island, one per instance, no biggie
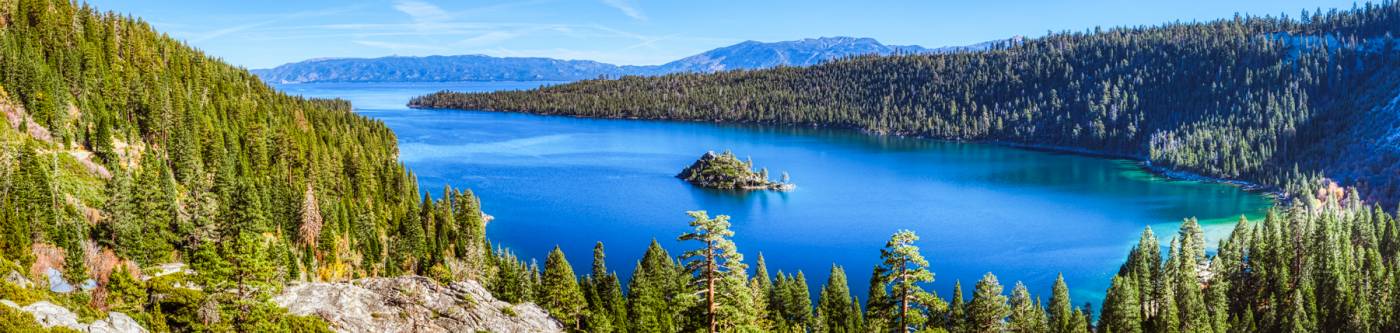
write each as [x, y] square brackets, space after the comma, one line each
[726, 171]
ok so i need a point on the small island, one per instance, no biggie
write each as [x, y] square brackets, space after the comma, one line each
[727, 172]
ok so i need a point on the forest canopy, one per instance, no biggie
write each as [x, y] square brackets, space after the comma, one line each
[1275, 100]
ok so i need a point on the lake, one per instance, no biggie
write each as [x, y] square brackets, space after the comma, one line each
[1024, 215]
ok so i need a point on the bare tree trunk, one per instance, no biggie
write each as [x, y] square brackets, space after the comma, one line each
[903, 300]
[710, 281]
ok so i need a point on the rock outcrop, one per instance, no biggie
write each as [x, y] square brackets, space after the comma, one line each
[51, 315]
[413, 304]
[727, 172]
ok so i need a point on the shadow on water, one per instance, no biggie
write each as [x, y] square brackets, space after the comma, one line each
[735, 199]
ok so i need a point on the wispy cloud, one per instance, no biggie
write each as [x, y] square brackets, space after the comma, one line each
[426, 27]
[489, 38]
[424, 14]
[216, 33]
[225, 31]
[627, 8]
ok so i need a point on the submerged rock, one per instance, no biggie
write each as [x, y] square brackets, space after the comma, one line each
[727, 172]
[413, 304]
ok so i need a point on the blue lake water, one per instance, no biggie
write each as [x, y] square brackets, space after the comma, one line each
[1024, 215]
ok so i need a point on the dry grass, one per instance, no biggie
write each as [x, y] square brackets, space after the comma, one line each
[46, 256]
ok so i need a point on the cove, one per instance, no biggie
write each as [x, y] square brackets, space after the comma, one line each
[1024, 215]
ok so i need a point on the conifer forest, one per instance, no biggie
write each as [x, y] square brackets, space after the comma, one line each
[173, 187]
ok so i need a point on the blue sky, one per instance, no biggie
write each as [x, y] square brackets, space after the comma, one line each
[262, 33]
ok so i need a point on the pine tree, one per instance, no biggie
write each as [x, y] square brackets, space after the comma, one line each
[834, 305]
[761, 286]
[904, 269]
[253, 274]
[1168, 316]
[149, 238]
[957, 313]
[1061, 312]
[561, 294]
[879, 309]
[102, 142]
[471, 225]
[798, 305]
[597, 319]
[1026, 315]
[659, 293]
[1121, 307]
[1190, 301]
[988, 309]
[718, 266]
[608, 307]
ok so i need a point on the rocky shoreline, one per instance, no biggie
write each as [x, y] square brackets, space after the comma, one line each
[726, 172]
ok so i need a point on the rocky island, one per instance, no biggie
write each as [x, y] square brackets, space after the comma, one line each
[727, 172]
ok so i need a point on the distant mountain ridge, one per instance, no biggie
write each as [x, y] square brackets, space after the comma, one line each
[745, 55]
[806, 52]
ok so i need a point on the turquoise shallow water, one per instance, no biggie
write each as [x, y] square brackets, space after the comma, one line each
[1024, 215]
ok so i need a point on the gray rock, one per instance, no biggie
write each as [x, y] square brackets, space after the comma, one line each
[18, 280]
[413, 304]
[51, 315]
[116, 322]
[56, 282]
[167, 269]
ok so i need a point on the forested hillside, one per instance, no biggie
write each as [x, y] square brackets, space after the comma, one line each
[124, 150]
[1263, 99]
[185, 192]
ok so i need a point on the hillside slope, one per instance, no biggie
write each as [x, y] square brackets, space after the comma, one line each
[1260, 99]
[123, 151]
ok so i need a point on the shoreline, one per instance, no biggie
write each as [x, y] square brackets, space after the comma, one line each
[1279, 196]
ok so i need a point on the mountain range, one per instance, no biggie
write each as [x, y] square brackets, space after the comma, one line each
[745, 55]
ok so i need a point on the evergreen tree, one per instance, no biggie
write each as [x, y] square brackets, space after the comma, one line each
[1061, 315]
[988, 309]
[835, 303]
[561, 295]
[1026, 315]
[659, 293]
[1190, 301]
[879, 309]
[597, 319]
[608, 307]
[718, 267]
[761, 286]
[957, 313]
[904, 269]
[1167, 319]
